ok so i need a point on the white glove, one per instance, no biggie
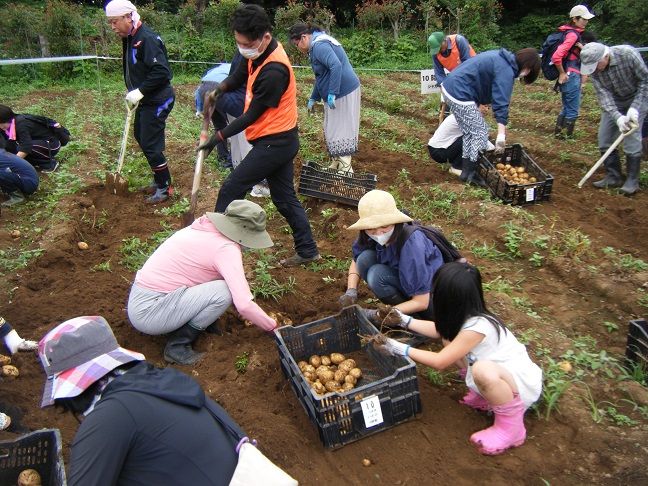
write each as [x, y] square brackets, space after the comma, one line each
[391, 346]
[15, 343]
[623, 122]
[500, 143]
[133, 97]
[633, 116]
[199, 114]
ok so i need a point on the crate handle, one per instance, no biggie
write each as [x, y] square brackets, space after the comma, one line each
[318, 329]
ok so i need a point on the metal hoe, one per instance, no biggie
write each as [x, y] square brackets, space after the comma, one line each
[115, 182]
[605, 155]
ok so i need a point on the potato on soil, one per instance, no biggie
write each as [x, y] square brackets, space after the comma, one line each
[29, 477]
[15, 234]
[337, 358]
[356, 373]
[315, 360]
[10, 371]
[82, 245]
[4, 360]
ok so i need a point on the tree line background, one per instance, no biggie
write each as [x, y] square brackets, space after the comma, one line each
[375, 33]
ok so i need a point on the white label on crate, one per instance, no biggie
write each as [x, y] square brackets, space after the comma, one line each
[371, 411]
[428, 82]
[530, 194]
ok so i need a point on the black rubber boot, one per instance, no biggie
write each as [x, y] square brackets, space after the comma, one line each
[178, 349]
[569, 126]
[473, 174]
[633, 165]
[558, 131]
[465, 170]
[614, 177]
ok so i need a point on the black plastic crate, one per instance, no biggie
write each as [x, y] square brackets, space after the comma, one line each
[325, 183]
[510, 193]
[389, 384]
[40, 450]
[637, 346]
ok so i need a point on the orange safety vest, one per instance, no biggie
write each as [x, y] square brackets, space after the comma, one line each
[453, 60]
[283, 117]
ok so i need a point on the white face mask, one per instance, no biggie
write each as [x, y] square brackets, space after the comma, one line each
[382, 239]
[250, 53]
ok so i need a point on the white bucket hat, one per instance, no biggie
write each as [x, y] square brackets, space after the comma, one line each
[376, 209]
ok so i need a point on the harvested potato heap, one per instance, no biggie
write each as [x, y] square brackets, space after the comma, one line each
[333, 373]
[514, 175]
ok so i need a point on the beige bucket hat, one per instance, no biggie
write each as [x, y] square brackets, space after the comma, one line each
[378, 208]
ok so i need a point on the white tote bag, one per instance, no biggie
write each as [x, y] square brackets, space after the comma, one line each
[255, 469]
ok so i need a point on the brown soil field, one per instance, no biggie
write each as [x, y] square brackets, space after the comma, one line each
[566, 300]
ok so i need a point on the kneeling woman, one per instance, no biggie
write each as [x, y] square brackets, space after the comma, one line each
[195, 276]
[399, 277]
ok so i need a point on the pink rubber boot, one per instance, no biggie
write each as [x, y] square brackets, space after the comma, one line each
[475, 400]
[507, 431]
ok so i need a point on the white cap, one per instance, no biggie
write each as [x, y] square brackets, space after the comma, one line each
[580, 11]
[591, 55]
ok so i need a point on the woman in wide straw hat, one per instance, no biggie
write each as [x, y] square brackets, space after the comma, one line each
[195, 276]
[399, 278]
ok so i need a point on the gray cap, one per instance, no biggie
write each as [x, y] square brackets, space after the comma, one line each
[591, 55]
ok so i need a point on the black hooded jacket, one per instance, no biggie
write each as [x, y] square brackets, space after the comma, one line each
[151, 427]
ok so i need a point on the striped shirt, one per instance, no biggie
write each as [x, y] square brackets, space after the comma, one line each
[624, 80]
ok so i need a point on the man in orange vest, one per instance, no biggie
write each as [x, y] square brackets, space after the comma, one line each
[447, 53]
[270, 122]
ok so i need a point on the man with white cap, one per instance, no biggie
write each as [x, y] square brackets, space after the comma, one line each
[195, 276]
[148, 79]
[620, 79]
[139, 424]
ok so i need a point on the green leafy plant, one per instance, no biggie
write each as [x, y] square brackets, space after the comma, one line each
[102, 267]
[264, 285]
[513, 239]
[242, 362]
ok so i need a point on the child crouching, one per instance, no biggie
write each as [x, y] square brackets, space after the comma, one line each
[499, 373]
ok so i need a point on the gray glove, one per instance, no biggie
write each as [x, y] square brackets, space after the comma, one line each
[350, 297]
[391, 347]
[392, 317]
[372, 316]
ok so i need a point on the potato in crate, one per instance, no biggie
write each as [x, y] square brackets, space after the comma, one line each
[38, 451]
[385, 395]
[325, 183]
[514, 177]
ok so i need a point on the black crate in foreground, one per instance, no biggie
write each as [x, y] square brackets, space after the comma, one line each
[637, 346]
[325, 183]
[40, 450]
[510, 193]
[387, 394]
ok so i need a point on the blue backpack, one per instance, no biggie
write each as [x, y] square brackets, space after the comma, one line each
[549, 46]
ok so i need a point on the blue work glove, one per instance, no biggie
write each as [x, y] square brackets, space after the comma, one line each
[331, 101]
[311, 106]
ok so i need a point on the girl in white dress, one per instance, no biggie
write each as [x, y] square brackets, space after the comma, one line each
[499, 373]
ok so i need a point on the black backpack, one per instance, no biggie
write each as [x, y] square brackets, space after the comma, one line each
[449, 252]
[549, 46]
[59, 131]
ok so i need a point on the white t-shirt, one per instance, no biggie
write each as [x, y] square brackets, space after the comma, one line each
[507, 352]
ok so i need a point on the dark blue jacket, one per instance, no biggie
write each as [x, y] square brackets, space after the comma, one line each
[486, 79]
[150, 426]
[26, 176]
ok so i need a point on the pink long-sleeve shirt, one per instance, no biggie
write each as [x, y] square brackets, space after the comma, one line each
[198, 254]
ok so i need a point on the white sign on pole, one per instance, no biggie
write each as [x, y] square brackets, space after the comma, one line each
[428, 82]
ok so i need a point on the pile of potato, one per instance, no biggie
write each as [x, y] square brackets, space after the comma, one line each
[334, 373]
[514, 175]
[7, 370]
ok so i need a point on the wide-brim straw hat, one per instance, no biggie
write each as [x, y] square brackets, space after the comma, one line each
[376, 209]
[243, 222]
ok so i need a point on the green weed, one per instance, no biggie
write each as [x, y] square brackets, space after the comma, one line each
[14, 259]
[102, 267]
[489, 252]
[264, 285]
[513, 238]
[242, 362]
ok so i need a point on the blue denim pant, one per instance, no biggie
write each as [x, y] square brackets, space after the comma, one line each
[571, 95]
[383, 281]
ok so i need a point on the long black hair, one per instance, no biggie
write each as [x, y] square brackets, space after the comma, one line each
[458, 296]
[297, 30]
